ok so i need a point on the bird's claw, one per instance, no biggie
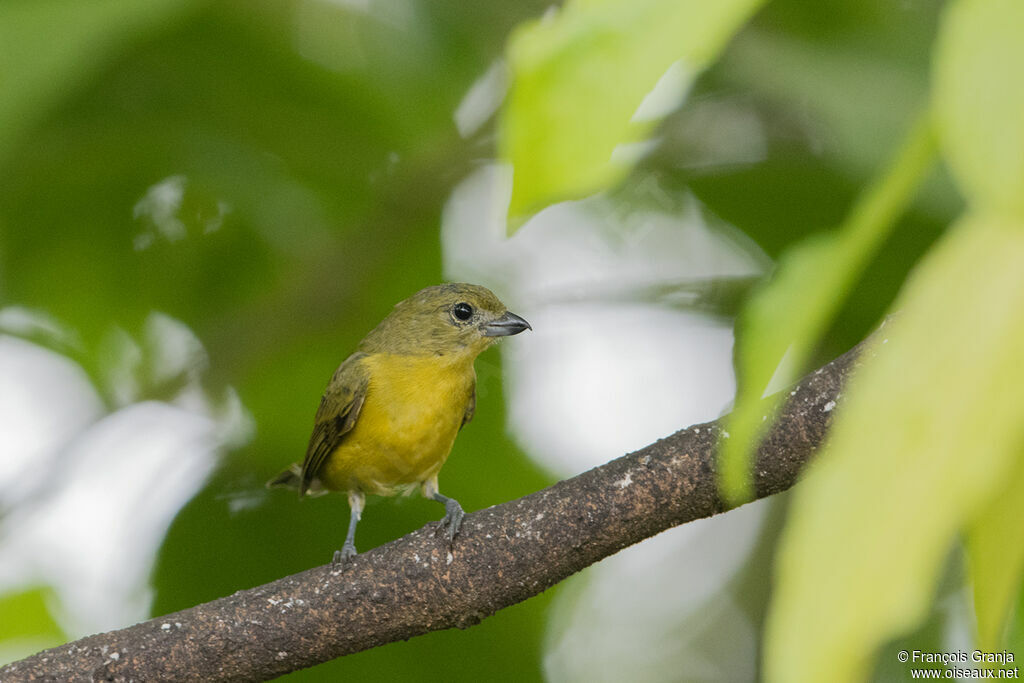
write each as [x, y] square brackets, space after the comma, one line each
[343, 556]
[452, 520]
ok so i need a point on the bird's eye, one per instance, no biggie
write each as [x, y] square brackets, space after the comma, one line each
[463, 311]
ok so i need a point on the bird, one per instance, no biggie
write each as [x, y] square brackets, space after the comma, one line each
[391, 411]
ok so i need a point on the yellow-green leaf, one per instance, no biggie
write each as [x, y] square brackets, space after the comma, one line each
[1015, 635]
[578, 78]
[979, 100]
[810, 284]
[26, 625]
[995, 553]
[931, 428]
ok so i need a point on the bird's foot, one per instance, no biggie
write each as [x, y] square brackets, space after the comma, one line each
[452, 520]
[342, 557]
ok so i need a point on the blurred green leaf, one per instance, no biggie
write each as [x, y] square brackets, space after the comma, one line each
[979, 100]
[26, 625]
[827, 82]
[50, 46]
[579, 77]
[804, 81]
[791, 313]
[932, 426]
[1015, 634]
[995, 553]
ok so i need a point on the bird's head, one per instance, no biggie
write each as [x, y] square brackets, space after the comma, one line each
[444, 319]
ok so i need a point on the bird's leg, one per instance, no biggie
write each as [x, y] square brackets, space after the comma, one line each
[356, 501]
[453, 512]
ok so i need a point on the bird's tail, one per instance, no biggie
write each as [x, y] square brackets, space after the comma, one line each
[291, 478]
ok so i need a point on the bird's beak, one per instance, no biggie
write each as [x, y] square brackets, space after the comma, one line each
[506, 325]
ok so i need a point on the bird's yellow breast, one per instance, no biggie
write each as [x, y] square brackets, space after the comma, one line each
[413, 410]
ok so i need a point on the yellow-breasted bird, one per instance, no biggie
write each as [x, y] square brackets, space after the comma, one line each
[390, 414]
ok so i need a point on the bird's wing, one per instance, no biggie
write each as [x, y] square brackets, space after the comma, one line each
[470, 409]
[337, 415]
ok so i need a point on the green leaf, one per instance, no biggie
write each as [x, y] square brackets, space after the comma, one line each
[1015, 635]
[995, 554]
[26, 625]
[979, 100]
[931, 429]
[793, 311]
[578, 78]
[48, 47]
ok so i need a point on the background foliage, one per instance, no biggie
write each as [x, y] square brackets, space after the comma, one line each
[313, 145]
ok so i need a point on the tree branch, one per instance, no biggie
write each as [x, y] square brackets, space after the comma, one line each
[502, 556]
